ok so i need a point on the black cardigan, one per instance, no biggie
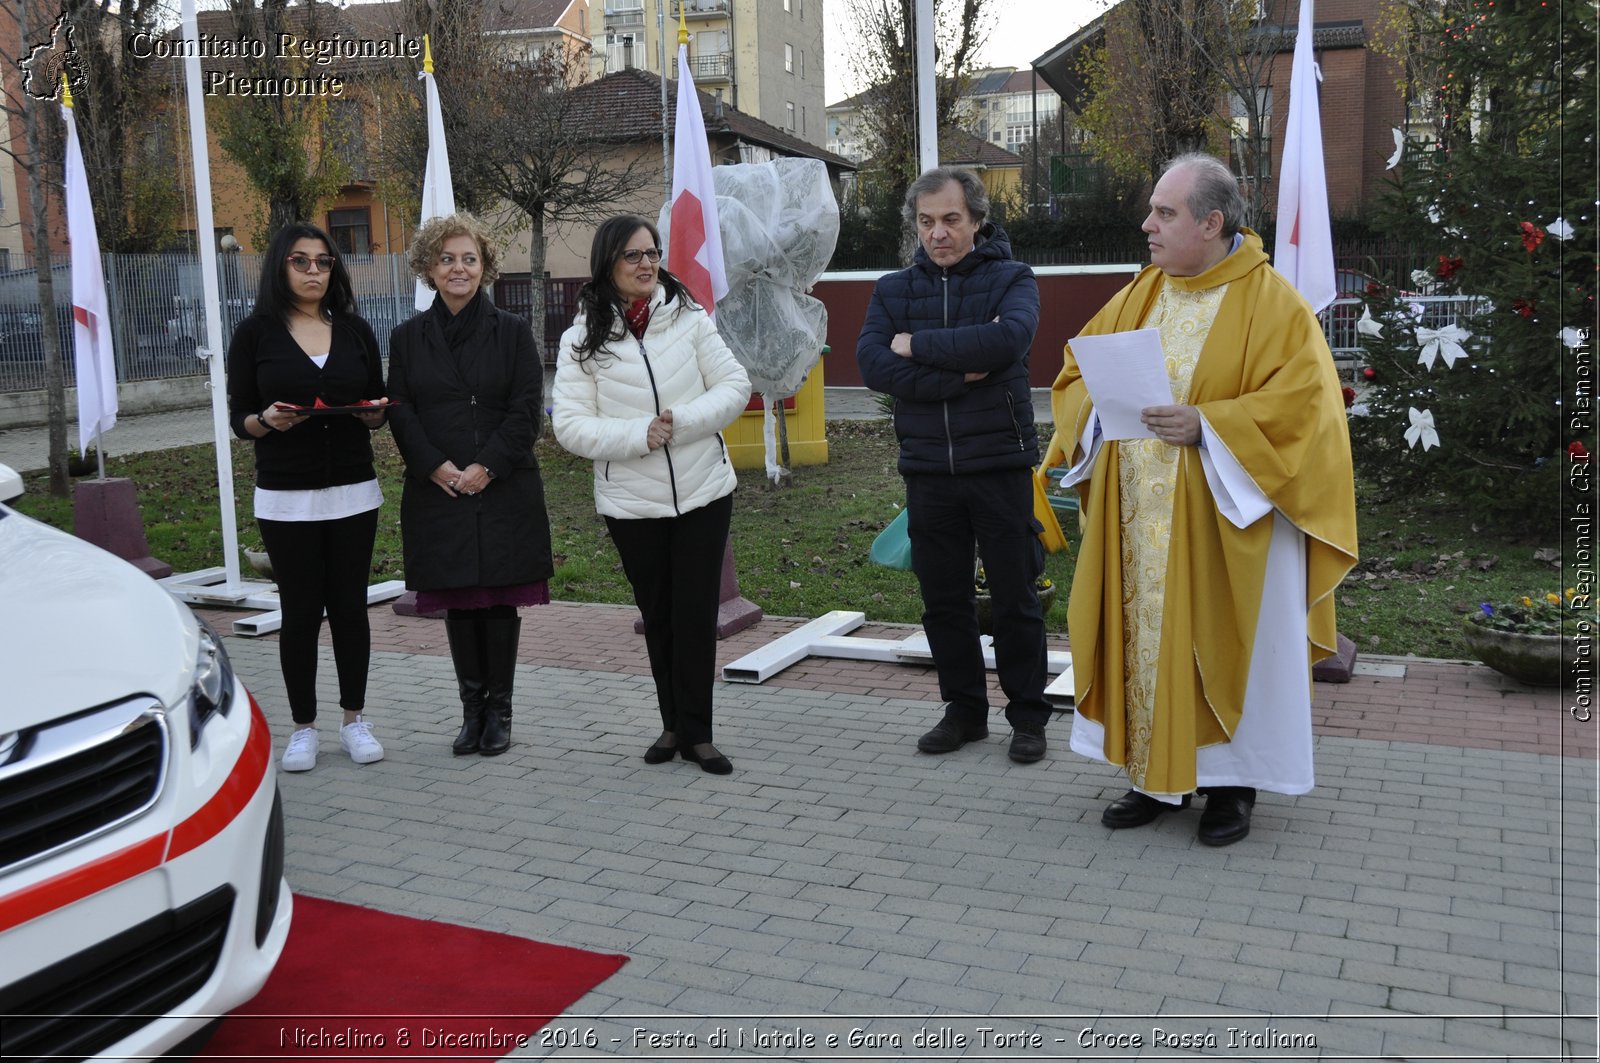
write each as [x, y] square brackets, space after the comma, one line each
[265, 365]
[482, 402]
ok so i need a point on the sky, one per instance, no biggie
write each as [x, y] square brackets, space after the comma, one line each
[1024, 30]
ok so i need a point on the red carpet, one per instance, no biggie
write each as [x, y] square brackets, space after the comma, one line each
[354, 983]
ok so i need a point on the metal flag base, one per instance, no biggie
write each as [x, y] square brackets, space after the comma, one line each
[210, 586]
[827, 636]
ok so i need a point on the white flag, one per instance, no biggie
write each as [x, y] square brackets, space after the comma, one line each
[1304, 247]
[438, 195]
[91, 321]
[694, 241]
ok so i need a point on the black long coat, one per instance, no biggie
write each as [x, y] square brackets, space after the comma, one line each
[483, 402]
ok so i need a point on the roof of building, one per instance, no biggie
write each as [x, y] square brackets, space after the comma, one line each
[957, 147]
[626, 107]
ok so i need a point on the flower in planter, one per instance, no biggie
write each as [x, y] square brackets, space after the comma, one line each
[1528, 615]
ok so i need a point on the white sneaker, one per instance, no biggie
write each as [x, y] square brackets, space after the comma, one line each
[356, 739]
[301, 754]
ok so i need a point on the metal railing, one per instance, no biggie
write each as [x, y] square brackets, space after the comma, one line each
[158, 314]
[1426, 311]
[719, 65]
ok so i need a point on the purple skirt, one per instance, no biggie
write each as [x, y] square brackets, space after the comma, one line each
[518, 594]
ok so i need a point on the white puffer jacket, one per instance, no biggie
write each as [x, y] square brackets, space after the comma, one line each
[603, 407]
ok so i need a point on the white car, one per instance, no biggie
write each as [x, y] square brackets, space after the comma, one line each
[141, 835]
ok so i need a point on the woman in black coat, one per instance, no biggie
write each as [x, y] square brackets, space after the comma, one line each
[467, 389]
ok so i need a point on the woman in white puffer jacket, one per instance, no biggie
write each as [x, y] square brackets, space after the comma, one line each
[644, 386]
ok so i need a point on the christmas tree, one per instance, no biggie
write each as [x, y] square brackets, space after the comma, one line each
[1479, 368]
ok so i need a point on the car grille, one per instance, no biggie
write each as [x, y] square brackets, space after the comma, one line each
[72, 779]
[78, 1007]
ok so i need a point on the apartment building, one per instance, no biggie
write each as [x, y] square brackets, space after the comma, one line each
[762, 57]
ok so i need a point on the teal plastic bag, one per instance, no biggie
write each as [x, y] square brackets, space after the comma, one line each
[892, 547]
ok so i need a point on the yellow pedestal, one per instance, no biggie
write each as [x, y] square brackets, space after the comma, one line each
[808, 439]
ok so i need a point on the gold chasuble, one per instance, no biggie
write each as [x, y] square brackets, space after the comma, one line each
[1167, 591]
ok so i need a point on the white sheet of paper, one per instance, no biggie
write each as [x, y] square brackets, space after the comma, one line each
[1125, 372]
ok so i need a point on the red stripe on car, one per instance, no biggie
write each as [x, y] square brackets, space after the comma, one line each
[69, 887]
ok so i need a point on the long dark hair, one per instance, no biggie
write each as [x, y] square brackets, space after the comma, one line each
[274, 298]
[601, 303]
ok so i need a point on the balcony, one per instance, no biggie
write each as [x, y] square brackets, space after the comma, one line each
[623, 18]
[693, 9]
[714, 67]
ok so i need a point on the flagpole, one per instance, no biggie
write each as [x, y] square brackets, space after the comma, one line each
[661, 48]
[927, 99]
[205, 237]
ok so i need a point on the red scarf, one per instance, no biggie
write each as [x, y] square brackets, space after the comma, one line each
[638, 316]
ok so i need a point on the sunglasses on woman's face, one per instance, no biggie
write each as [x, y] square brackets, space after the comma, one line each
[303, 263]
[632, 255]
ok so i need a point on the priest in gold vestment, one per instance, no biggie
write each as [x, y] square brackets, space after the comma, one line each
[1204, 586]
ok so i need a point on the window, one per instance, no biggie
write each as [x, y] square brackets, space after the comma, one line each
[802, 119]
[802, 65]
[789, 108]
[351, 229]
[786, 5]
[788, 58]
[5, 260]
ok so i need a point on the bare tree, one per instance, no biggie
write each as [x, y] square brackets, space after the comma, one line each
[284, 142]
[523, 144]
[42, 154]
[1154, 85]
[882, 56]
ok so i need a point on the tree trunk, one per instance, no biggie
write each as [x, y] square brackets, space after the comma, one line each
[536, 254]
[54, 377]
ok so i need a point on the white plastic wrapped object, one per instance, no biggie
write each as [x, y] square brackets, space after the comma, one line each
[779, 224]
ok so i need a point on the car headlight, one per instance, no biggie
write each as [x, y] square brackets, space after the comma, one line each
[211, 692]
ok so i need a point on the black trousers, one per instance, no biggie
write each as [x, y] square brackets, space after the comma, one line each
[675, 567]
[948, 517]
[322, 564]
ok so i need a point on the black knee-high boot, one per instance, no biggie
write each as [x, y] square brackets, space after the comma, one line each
[467, 654]
[500, 645]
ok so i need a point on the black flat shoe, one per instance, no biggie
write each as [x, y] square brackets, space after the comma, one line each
[716, 764]
[660, 754]
[1134, 809]
[1227, 815]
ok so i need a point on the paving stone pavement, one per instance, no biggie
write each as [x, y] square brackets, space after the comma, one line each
[1433, 898]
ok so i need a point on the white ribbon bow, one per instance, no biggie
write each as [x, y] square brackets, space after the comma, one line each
[1422, 429]
[1367, 325]
[1442, 343]
[1399, 150]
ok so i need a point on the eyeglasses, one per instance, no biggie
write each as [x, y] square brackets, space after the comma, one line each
[303, 263]
[632, 255]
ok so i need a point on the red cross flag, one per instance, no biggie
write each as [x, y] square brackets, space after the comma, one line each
[94, 357]
[694, 242]
[1304, 247]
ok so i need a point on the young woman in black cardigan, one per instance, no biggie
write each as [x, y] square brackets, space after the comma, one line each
[317, 497]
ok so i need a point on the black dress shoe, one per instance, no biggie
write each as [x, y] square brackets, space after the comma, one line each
[1227, 815]
[1027, 744]
[660, 754]
[1134, 809]
[716, 763]
[948, 736]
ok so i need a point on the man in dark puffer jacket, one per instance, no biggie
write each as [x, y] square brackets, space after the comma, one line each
[948, 338]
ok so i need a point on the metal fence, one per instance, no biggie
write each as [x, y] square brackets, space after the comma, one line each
[157, 311]
[158, 317]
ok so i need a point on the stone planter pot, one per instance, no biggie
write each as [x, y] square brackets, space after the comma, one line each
[1047, 598]
[1531, 659]
[259, 562]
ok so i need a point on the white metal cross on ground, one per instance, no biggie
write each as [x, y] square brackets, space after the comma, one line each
[828, 636]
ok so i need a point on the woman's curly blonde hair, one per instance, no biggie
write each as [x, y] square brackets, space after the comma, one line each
[434, 232]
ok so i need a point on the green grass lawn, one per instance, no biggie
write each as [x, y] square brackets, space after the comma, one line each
[801, 549]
